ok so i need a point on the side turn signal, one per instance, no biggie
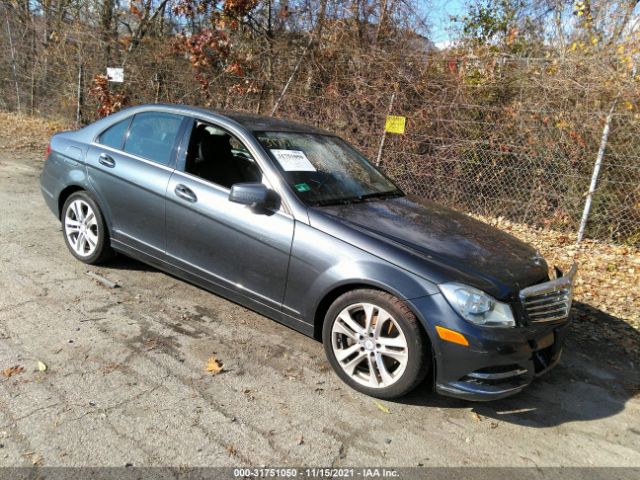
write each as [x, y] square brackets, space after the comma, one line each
[451, 336]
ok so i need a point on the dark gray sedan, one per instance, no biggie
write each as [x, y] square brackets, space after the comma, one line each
[296, 224]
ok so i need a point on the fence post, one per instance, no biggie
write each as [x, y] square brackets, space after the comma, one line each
[157, 79]
[13, 61]
[33, 91]
[384, 132]
[79, 99]
[596, 171]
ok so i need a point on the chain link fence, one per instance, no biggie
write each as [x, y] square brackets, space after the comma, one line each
[492, 167]
[493, 135]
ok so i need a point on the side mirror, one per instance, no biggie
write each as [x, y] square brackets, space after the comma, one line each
[256, 195]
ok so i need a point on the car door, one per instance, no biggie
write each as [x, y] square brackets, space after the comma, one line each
[229, 245]
[129, 167]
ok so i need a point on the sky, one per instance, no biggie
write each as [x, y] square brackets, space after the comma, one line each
[438, 13]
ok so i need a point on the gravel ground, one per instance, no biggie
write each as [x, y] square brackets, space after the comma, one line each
[126, 381]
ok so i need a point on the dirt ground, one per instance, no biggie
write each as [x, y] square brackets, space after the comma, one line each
[126, 380]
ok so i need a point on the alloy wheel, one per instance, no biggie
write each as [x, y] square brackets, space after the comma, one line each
[81, 228]
[369, 345]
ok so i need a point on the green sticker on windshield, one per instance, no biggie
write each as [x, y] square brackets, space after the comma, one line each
[302, 187]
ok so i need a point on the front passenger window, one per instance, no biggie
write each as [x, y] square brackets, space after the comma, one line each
[218, 157]
[152, 135]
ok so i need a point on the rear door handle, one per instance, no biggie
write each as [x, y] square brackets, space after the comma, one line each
[185, 193]
[106, 160]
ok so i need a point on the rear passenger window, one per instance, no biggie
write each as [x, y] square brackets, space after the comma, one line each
[114, 135]
[152, 135]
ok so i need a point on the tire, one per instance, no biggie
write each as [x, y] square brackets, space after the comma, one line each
[82, 220]
[394, 343]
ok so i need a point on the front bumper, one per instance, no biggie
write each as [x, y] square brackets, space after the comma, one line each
[495, 374]
[498, 362]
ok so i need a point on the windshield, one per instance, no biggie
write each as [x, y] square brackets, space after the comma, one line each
[325, 170]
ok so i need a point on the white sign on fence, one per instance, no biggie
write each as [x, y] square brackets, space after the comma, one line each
[115, 74]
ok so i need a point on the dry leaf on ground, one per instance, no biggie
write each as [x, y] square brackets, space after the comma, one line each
[214, 365]
[381, 407]
[9, 372]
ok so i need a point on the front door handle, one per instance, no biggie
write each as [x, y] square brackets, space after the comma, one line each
[106, 160]
[185, 193]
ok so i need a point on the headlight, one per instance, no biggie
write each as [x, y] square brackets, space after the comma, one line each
[477, 307]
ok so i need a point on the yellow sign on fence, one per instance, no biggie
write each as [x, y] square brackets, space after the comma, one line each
[394, 124]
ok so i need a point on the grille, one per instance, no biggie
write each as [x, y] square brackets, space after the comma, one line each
[549, 301]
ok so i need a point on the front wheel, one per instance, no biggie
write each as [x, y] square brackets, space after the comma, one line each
[85, 232]
[375, 344]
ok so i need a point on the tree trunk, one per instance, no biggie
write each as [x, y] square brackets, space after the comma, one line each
[106, 28]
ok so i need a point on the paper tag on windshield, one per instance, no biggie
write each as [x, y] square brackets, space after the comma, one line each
[293, 161]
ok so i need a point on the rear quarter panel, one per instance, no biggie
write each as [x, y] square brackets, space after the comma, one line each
[64, 167]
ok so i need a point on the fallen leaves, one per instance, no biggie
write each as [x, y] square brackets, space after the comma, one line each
[249, 394]
[11, 371]
[293, 373]
[110, 368]
[35, 458]
[152, 343]
[25, 132]
[214, 366]
[382, 407]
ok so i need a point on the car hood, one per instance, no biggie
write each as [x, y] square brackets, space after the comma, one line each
[449, 245]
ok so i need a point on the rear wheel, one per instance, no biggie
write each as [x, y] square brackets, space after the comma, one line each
[85, 232]
[375, 343]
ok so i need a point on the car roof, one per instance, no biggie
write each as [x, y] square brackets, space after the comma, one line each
[263, 123]
[252, 122]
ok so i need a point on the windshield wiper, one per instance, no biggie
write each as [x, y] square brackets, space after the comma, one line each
[358, 198]
[337, 201]
[389, 194]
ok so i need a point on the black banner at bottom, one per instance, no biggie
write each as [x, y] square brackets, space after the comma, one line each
[233, 473]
